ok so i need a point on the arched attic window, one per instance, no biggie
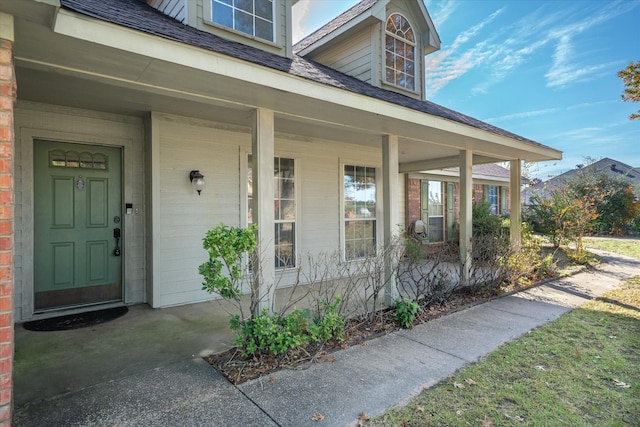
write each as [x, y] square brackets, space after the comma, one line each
[400, 48]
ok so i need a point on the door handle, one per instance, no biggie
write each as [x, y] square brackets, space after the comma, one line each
[116, 235]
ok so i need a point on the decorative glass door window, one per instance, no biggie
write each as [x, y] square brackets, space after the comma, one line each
[73, 159]
[359, 211]
[252, 17]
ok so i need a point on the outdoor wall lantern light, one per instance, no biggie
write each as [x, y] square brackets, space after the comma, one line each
[197, 179]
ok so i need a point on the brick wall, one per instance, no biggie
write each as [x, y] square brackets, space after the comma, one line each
[413, 200]
[7, 100]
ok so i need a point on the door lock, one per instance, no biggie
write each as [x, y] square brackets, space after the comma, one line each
[116, 235]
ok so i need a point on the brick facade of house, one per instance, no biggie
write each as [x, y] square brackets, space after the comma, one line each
[413, 192]
[7, 100]
[412, 200]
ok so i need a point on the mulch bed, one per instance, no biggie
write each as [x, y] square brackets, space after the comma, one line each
[238, 369]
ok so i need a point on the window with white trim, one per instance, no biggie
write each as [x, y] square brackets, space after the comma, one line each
[359, 211]
[504, 209]
[432, 209]
[252, 17]
[400, 48]
[492, 198]
[284, 205]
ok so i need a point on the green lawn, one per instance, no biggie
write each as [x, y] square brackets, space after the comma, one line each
[629, 247]
[580, 370]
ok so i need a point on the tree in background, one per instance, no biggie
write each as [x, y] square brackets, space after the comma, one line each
[614, 202]
[630, 76]
[565, 216]
[591, 202]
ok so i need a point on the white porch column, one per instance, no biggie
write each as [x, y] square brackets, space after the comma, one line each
[391, 209]
[466, 218]
[515, 212]
[262, 146]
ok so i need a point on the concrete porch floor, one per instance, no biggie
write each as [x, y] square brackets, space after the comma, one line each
[143, 339]
[145, 368]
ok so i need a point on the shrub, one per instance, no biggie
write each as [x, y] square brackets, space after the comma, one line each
[276, 334]
[406, 312]
[484, 223]
[226, 246]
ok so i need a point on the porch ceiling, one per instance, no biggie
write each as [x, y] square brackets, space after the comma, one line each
[62, 70]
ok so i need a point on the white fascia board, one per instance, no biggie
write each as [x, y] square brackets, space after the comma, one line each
[432, 28]
[111, 35]
[6, 27]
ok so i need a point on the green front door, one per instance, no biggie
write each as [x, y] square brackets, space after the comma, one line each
[77, 220]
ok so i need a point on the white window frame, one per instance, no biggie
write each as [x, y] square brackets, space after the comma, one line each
[430, 206]
[413, 44]
[377, 215]
[497, 199]
[209, 18]
[244, 200]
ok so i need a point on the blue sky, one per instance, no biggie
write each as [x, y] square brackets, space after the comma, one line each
[544, 69]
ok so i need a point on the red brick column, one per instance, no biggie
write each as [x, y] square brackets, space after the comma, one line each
[7, 100]
[412, 190]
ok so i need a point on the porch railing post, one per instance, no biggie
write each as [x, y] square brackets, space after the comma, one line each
[466, 217]
[391, 214]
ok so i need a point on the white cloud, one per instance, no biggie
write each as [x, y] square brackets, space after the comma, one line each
[471, 32]
[565, 67]
[441, 11]
[301, 12]
[505, 49]
[451, 63]
[523, 115]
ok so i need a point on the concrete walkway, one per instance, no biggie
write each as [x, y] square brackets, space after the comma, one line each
[145, 369]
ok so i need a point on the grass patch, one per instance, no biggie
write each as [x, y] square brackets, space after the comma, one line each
[628, 247]
[580, 370]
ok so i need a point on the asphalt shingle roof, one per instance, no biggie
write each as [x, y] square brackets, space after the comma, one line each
[489, 169]
[137, 15]
[610, 167]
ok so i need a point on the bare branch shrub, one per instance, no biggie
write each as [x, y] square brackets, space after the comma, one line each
[428, 274]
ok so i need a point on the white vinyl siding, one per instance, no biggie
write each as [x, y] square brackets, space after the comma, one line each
[183, 217]
[174, 8]
[352, 57]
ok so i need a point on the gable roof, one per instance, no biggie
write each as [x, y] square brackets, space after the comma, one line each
[607, 166]
[334, 24]
[351, 14]
[137, 15]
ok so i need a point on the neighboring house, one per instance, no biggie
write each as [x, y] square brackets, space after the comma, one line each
[610, 167]
[120, 102]
[433, 197]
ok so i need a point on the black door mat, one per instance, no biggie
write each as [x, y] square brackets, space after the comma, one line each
[76, 321]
